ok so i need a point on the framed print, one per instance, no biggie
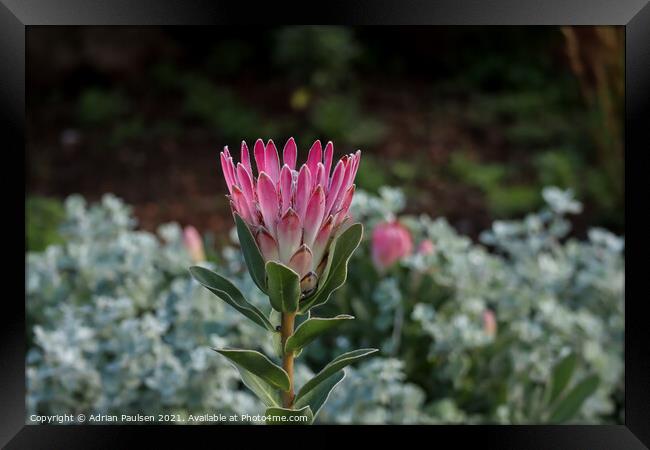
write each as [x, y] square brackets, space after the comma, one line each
[412, 216]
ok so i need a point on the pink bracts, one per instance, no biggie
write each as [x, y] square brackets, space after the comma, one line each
[292, 212]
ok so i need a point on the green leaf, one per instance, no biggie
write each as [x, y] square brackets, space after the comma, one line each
[310, 329]
[335, 365]
[252, 254]
[269, 395]
[229, 293]
[317, 397]
[562, 373]
[332, 254]
[571, 404]
[335, 276]
[276, 343]
[283, 287]
[258, 365]
[281, 416]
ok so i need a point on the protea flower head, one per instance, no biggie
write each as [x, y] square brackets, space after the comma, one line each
[391, 242]
[292, 212]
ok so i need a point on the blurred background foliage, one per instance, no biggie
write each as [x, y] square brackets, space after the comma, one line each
[471, 123]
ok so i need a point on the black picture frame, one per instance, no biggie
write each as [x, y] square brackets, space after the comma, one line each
[16, 15]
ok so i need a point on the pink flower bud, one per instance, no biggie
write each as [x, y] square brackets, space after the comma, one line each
[489, 323]
[426, 247]
[193, 244]
[391, 242]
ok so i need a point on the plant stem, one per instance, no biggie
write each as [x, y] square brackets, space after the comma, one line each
[286, 331]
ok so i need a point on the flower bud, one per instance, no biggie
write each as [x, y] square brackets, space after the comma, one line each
[489, 323]
[391, 242]
[426, 247]
[194, 244]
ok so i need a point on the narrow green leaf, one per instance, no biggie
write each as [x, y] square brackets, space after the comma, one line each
[335, 276]
[252, 254]
[562, 373]
[276, 344]
[302, 318]
[283, 287]
[275, 318]
[326, 271]
[347, 241]
[317, 397]
[269, 395]
[229, 293]
[570, 405]
[310, 329]
[284, 416]
[258, 365]
[334, 366]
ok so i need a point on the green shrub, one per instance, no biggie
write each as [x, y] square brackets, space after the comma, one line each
[43, 218]
[340, 119]
[221, 109]
[320, 56]
[96, 106]
[374, 176]
[504, 197]
[228, 58]
[127, 130]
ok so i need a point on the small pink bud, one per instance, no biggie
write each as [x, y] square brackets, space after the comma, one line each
[489, 323]
[391, 242]
[193, 244]
[426, 247]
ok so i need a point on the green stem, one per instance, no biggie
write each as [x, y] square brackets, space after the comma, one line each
[286, 331]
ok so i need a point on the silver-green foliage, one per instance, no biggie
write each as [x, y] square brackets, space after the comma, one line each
[376, 393]
[552, 295]
[117, 325]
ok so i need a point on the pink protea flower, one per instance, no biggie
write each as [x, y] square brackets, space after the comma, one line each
[391, 242]
[193, 244]
[292, 212]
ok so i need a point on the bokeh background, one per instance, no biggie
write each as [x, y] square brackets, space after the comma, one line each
[502, 147]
